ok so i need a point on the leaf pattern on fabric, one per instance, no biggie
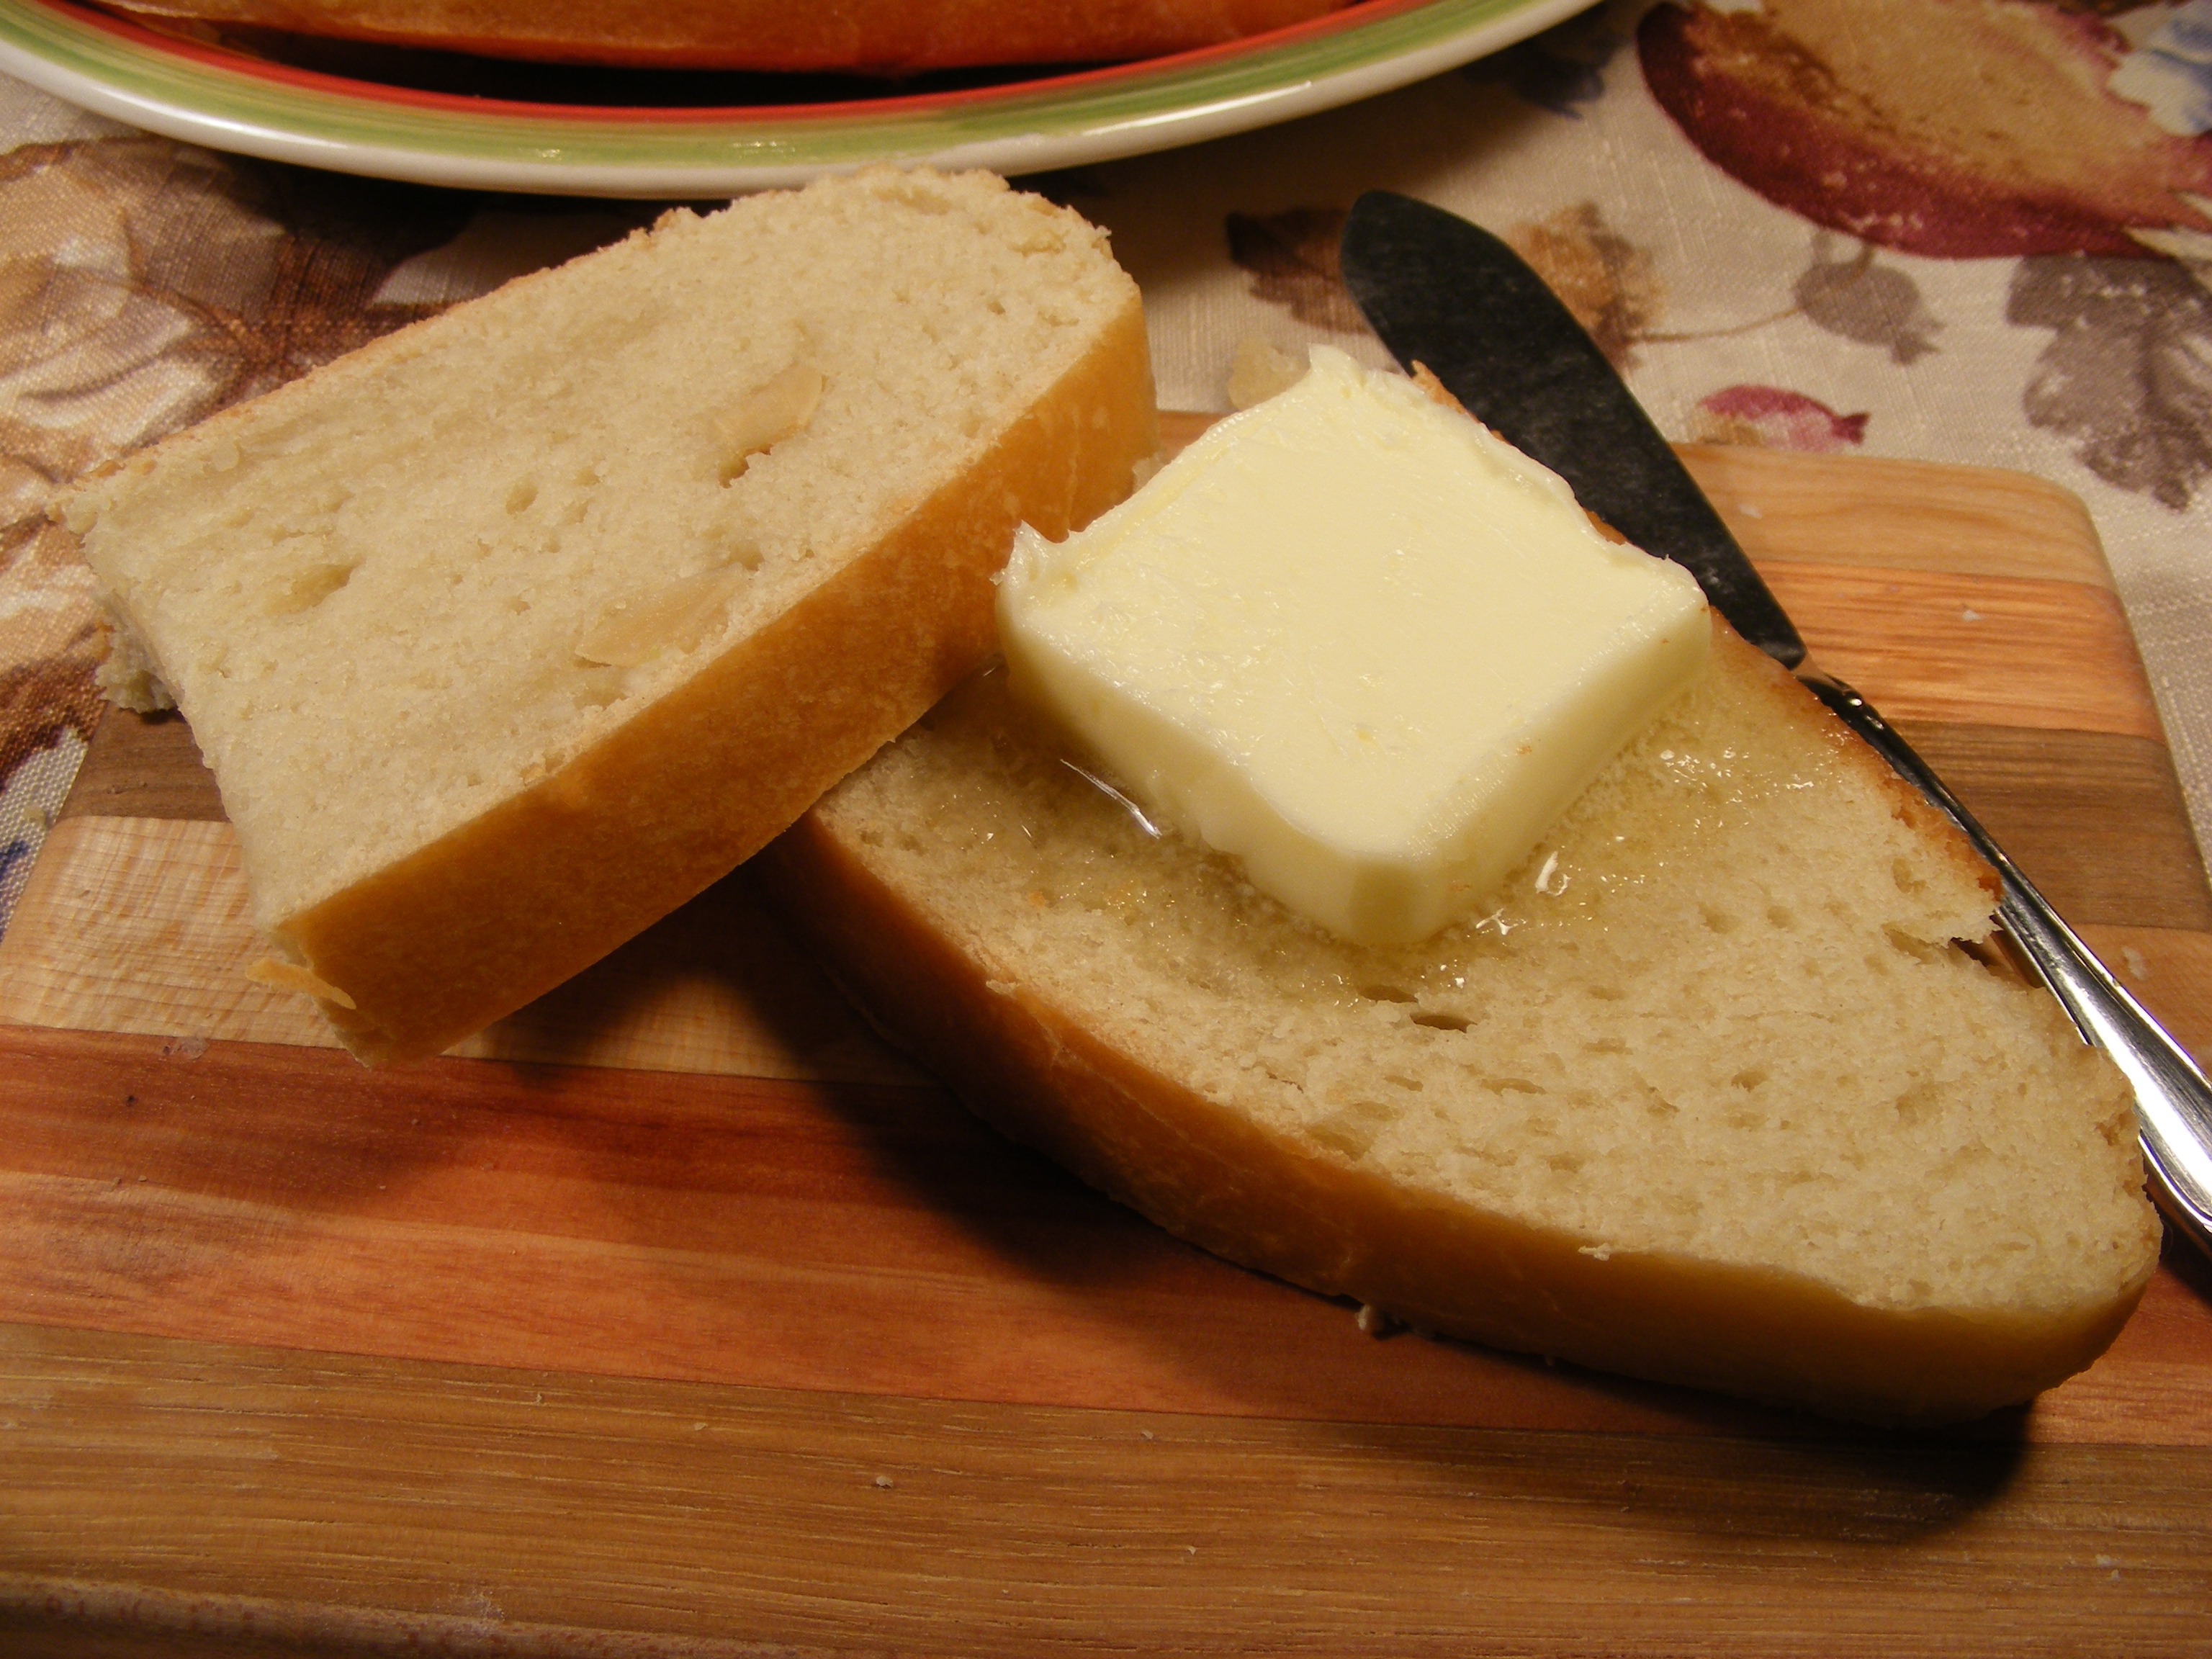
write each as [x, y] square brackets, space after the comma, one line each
[1291, 257]
[1954, 128]
[42, 699]
[1611, 285]
[2128, 374]
[132, 304]
[1560, 68]
[1773, 418]
[1859, 300]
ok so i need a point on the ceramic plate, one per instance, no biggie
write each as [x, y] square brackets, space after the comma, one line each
[598, 132]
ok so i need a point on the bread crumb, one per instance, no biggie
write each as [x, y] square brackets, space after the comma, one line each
[1258, 371]
[290, 977]
[1374, 1321]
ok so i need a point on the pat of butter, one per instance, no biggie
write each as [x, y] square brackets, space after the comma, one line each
[1355, 640]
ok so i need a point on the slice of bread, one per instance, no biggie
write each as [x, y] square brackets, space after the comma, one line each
[1711, 1095]
[508, 634]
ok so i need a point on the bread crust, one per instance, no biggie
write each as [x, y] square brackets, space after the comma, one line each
[1208, 1173]
[875, 37]
[501, 909]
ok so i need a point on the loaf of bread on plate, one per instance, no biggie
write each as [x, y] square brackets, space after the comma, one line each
[506, 634]
[873, 36]
[1713, 1093]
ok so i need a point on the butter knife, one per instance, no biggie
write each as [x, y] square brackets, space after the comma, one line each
[1442, 292]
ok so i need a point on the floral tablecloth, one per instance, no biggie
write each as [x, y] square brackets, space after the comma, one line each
[1957, 230]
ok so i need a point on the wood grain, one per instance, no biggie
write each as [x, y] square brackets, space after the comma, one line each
[2096, 820]
[142, 925]
[619, 1517]
[1948, 647]
[144, 766]
[1910, 516]
[677, 1316]
[2168, 970]
[757, 1231]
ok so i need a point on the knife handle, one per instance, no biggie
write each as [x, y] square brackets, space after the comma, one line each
[2173, 1102]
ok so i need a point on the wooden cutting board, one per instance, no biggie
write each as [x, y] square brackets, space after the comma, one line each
[676, 1316]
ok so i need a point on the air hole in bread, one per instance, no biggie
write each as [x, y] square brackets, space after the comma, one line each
[1918, 950]
[1909, 881]
[596, 687]
[1436, 1021]
[1782, 917]
[677, 618]
[779, 407]
[1352, 1128]
[917, 194]
[307, 585]
[1916, 1103]
[1717, 921]
[1750, 1078]
[1510, 1085]
[1998, 954]
[1608, 993]
[521, 494]
[1386, 993]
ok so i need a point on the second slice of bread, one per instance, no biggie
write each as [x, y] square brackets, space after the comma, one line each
[1710, 1096]
[510, 633]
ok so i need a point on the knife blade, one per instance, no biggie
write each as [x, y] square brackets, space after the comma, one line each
[1421, 275]
[1447, 294]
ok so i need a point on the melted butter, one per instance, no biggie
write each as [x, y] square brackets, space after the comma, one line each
[1062, 835]
[1354, 642]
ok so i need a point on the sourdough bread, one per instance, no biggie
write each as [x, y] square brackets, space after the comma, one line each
[1711, 1095]
[508, 634]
